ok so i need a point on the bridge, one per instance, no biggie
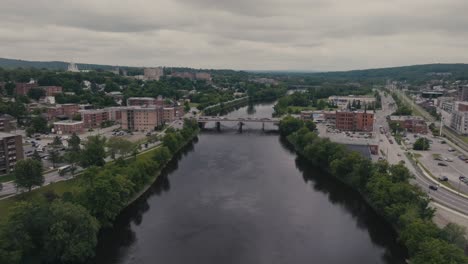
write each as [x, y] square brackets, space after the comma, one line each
[241, 121]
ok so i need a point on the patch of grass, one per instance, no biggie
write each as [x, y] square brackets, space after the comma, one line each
[436, 155]
[194, 104]
[417, 155]
[37, 194]
[465, 139]
[7, 178]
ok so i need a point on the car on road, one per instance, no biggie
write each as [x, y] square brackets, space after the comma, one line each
[438, 158]
[442, 164]
[451, 150]
[461, 178]
[433, 187]
[443, 178]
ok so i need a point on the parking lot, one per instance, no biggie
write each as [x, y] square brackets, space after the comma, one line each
[442, 160]
[345, 137]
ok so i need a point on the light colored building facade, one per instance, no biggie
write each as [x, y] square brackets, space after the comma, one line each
[52, 90]
[11, 151]
[463, 93]
[343, 101]
[68, 127]
[153, 74]
[138, 118]
[7, 123]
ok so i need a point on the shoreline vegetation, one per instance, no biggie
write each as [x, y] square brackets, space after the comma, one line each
[63, 226]
[387, 189]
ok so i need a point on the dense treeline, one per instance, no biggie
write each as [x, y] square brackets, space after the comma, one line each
[387, 188]
[63, 229]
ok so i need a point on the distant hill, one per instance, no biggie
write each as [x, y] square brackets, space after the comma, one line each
[51, 65]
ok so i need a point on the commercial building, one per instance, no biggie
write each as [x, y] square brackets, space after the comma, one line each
[413, 124]
[141, 118]
[463, 93]
[23, 88]
[11, 151]
[354, 121]
[343, 101]
[153, 74]
[68, 127]
[7, 123]
[94, 118]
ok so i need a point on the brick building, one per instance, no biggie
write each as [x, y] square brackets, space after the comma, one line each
[463, 93]
[354, 121]
[153, 74]
[68, 127]
[7, 123]
[23, 88]
[413, 124]
[138, 118]
[65, 110]
[94, 118]
[145, 101]
[52, 90]
[11, 151]
[172, 113]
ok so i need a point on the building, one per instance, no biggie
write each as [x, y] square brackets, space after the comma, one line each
[52, 90]
[68, 127]
[153, 74]
[463, 93]
[343, 101]
[11, 151]
[7, 123]
[413, 124]
[446, 103]
[204, 76]
[94, 118]
[461, 106]
[172, 113]
[64, 110]
[354, 121]
[23, 88]
[145, 101]
[185, 75]
[459, 119]
[141, 118]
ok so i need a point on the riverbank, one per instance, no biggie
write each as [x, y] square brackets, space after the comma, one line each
[99, 194]
[387, 189]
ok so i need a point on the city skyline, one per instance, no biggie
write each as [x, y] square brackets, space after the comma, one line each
[259, 35]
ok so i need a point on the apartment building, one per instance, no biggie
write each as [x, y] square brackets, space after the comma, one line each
[459, 120]
[52, 90]
[145, 101]
[354, 121]
[23, 88]
[65, 110]
[140, 118]
[11, 151]
[153, 74]
[413, 124]
[463, 93]
[7, 123]
[68, 127]
[94, 118]
[172, 113]
[343, 101]
[203, 76]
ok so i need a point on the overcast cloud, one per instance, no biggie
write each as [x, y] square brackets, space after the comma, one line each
[237, 34]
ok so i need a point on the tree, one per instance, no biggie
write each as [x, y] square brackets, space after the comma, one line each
[10, 88]
[74, 143]
[72, 157]
[28, 173]
[54, 157]
[171, 142]
[120, 146]
[310, 125]
[434, 251]
[454, 234]
[39, 124]
[289, 124]
[72, 234]
[162, 155]
[94, 152]
[36, 93]
[57, 142]
[36, 156]
[186, 107]
[421, 144]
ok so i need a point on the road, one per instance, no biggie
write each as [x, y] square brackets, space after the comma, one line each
[396, 154]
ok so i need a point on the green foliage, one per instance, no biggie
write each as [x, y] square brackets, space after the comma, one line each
[94, 153]
[28, 173]
[36, 93]
[421, 144]
[74, 143]
[120, 146]
[38, 124]
[388, 190]
[289, 124]
[54, 157]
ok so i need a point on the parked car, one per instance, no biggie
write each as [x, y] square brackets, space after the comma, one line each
[451, 150]
[443, 178]
[438, 158]
[461, 178]
[442, 164]
[433, 187]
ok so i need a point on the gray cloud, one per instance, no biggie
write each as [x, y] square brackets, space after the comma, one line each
[243, 34]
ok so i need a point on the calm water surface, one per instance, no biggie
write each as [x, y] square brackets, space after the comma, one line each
[246, 198]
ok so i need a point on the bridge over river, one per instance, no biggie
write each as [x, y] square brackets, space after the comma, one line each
[241, 121]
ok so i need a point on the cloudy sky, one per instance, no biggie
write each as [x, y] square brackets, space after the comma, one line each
[237, 34]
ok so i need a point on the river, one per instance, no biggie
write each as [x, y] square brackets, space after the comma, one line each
[247, 198]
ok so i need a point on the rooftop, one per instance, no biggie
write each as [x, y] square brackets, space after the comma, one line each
[68, 122]
[402, 118]
[4, 135]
